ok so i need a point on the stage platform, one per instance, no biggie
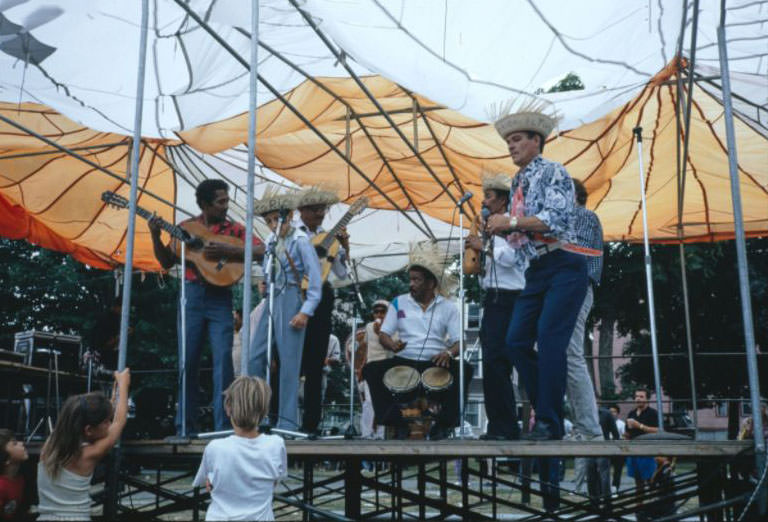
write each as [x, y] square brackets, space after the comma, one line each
[383, 450]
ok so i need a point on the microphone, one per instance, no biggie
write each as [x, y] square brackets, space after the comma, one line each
[466, 197]
[485, 212]
[284, 213]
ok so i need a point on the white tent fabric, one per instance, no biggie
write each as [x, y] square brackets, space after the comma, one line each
[80, 59]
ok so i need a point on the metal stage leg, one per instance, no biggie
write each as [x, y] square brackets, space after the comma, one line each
[352, 488]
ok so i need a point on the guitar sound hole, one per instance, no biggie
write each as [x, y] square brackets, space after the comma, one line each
[196, 243]
[321, 252]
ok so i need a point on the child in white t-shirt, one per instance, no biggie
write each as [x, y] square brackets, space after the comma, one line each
[240, 471]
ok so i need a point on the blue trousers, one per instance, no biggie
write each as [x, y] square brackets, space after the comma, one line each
[500, 405]
[209, 309]
[289, 342]
[545, 315]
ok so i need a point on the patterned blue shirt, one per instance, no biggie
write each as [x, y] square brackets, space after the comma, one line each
[589, 233]
[548, 191]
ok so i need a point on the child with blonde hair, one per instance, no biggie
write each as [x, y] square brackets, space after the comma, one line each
[240, 471]
[89, 425]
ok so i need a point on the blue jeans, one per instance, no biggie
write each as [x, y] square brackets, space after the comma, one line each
[545, 315]
[500, 405]
[209, 308]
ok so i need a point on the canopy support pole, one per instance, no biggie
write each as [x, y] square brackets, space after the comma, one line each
[682, 164]
[110, 506]
[741, 253]
[637, 131]
[247, 278]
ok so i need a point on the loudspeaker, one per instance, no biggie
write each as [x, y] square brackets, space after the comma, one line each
[39, 348]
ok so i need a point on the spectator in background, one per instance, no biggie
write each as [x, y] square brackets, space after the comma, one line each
[617, 463]
[640, 421]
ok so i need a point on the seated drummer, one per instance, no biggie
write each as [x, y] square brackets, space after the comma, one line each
[428, 328]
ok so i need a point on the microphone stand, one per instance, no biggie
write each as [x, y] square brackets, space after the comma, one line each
[460, 204]
[357, 311]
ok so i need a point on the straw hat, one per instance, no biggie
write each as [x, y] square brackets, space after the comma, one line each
[316, 195]
[531, 116]
[431, 258]
[380, 302]
[273, 200]
[496, 181]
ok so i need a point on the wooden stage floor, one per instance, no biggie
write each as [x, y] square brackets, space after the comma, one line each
[380, 449]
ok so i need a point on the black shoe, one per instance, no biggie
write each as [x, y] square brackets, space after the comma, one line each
[437, 432]
[541, 431]
[494, 436]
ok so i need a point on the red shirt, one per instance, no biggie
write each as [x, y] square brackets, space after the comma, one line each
[224, 228]
[12, 505]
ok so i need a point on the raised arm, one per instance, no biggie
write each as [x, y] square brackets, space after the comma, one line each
[101, 447]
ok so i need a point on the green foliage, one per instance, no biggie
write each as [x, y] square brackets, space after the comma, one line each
[571, 82]
[715, 306]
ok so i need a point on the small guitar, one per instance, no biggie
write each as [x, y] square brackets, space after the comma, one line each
[218, 272]
[327, 244]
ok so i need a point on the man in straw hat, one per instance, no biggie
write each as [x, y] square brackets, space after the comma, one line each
[428, 327]
[294, 257]
[502, 280]
[540, 229]
[539, 226]
[208, 307]
[313, 203]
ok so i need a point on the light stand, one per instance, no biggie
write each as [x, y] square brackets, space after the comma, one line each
[460, 204]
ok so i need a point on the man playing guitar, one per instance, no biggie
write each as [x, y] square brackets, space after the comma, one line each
[313, 204]
[208, 307]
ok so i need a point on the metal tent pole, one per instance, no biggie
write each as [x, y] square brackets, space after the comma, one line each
[638, 131]
[741, 253]
[247, 287]
[110, 505]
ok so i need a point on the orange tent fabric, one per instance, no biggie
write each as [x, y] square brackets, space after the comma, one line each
[54, 200]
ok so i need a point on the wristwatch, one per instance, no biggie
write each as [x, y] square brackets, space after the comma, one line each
[513, 222]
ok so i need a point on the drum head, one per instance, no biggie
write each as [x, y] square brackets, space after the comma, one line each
[436, 378]
[400, 379]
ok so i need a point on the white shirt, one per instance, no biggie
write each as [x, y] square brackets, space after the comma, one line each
[243, 473]
[339, 265]
[425, 332]
[501, 270]
[334, 348]
[376, 352]
[621, 426]
[68, 497]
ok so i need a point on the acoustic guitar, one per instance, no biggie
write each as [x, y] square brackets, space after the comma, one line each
[327, 244]
[218, 272]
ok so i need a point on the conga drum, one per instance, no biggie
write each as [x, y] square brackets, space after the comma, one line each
[437, 382]
[403, 383]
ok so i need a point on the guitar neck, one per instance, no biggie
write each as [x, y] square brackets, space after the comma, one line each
[326, 243]
[175, 231]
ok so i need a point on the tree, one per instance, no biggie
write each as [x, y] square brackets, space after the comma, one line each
[715, 314]
[571, 82]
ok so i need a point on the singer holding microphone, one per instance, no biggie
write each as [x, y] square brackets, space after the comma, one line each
[502, 281]
[294, 257]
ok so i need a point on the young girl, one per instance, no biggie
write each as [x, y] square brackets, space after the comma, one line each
[294, 257]
[12, 455]
[88, 427]
[240, 472]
